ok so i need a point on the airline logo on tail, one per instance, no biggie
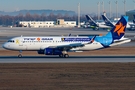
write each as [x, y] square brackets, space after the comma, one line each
[119, 28]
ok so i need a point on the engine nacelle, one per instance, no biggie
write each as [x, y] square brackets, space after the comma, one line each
[50, 51]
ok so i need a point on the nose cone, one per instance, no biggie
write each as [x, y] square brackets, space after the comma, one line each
[6, 46]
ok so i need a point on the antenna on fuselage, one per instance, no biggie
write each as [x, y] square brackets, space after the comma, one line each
[69, 35]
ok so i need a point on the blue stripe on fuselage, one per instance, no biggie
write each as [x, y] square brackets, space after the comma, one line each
[76, 39]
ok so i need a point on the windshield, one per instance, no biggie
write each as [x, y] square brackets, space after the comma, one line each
[11, 41]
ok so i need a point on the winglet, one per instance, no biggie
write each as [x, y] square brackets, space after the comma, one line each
[92, 40]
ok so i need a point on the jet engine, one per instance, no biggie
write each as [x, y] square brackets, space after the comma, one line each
[50, 51]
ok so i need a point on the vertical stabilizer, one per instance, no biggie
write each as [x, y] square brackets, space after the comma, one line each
[91, 21]
[118, 31]
[107, 21]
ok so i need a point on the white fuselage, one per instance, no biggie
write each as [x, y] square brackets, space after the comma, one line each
[102, 25]
[40, 43]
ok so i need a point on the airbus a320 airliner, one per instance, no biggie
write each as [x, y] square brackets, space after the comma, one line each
[60, 45]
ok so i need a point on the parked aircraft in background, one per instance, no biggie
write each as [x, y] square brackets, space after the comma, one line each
[61, 45]
[108, 22]
[112, 23]
[134, 19]
[96, 25]
[133, 25]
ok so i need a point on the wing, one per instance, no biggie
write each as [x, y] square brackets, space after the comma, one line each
[70, 46]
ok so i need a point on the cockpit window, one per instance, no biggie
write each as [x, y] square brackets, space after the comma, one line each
[11, 41]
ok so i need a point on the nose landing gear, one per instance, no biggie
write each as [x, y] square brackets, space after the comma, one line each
[20, 55]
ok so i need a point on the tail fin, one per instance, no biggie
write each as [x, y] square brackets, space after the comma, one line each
[107, 21]
[134, 19]
[91, 21]
[118, 30]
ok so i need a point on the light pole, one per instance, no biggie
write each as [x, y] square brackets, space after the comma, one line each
[79, 15]
[102, 5]
[116, 9]
[110, 8]
[124, 6]
[98, 4]
[134, 2]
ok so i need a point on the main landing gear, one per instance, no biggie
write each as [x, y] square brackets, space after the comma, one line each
[64, 54]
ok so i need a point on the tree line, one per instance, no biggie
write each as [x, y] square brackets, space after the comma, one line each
[6, 20]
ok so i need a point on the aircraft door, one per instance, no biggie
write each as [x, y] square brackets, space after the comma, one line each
[20, 42]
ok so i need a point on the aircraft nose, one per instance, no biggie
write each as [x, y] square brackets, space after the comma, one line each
[6, 46]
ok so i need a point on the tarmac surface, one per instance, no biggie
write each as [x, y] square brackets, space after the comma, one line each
[72, 59]
[18, 31]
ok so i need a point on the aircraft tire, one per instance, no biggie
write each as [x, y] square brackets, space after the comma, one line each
[61, 55]
[20, 55]
[96, 28]
[66, 55]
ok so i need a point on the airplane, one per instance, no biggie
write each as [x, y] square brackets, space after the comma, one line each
[96, 25]
[112, 23]
[132, 26]
[61, 45]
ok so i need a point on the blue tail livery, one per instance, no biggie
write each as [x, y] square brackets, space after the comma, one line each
[116, 34]
[91, 21]
[119, 30]
[107, 21]
[134, 19]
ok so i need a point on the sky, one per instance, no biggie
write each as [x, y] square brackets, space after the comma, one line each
[86, 6]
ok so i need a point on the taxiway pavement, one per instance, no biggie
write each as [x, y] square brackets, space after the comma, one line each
[71, 59]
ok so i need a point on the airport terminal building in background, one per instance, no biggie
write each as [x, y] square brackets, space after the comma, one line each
[130, 14]
[43, 24]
